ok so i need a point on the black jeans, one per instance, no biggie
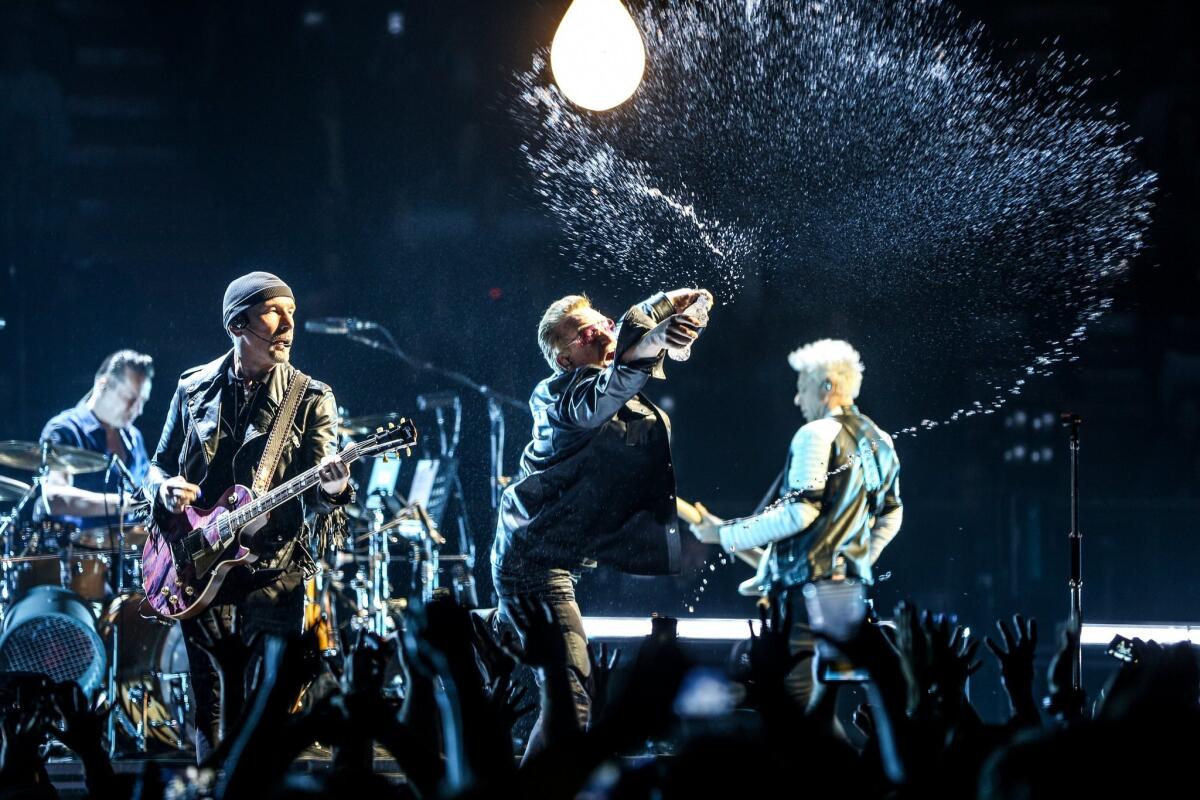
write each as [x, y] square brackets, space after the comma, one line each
[277, 608]
[558, 591]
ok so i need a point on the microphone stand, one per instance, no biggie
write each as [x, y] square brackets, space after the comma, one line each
[496, 400]
[1075, 583]
[114, 630]
[117, 559]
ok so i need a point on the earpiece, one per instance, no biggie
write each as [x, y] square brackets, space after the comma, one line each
[241, 323]
[827, 385]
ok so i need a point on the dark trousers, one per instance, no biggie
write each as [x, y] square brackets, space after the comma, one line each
[558, 591]
[231, 631]
[801, 683]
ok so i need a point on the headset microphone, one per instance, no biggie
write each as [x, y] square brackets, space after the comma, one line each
[242, 325]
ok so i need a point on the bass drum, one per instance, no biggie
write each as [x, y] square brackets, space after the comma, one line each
[153, 686]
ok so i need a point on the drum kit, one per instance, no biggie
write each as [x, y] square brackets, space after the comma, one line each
[71, 602]
[394, 551]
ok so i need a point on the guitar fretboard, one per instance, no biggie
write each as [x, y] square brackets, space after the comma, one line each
[285, 492]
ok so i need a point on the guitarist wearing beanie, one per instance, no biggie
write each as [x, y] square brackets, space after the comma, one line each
[229, 424]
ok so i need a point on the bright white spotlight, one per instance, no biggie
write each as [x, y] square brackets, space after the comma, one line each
[688, 628]
[1102, 634]
[597, 55]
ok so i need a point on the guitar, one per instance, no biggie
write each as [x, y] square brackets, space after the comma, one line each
[185, 562]
[755, 557]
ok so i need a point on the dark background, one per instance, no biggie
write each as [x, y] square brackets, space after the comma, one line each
[150, 152]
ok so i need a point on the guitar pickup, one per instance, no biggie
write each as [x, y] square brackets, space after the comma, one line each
[193, 549]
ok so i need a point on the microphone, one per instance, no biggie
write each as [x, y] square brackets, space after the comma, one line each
[130, 481]
[113, 460]
[338, 326]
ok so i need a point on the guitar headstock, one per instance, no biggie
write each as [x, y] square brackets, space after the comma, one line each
[398, 435]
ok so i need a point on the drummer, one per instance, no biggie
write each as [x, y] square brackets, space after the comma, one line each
[101, 422]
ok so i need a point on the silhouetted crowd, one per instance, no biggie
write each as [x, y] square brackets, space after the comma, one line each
[452, 732]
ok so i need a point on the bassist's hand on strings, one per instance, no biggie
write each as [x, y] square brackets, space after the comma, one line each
[176, 494]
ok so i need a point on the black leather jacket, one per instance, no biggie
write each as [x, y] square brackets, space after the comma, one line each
[596, 480]
[190, 437]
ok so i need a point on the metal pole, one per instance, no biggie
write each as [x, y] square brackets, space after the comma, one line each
[1075, 583]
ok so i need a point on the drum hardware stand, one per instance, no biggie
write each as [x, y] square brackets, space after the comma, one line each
[8, 525]
[378, 558]
[118, 565]
[373, 593]
[425, 556]
[496, 437]
[464, 581]
[117, 560]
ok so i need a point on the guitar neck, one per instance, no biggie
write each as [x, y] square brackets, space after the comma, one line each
[284, 492]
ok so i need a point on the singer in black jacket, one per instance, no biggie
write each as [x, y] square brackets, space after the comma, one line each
[596, 482]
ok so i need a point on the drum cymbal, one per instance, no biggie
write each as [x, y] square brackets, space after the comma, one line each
[365, 425]
[71, 460]
[11, 490]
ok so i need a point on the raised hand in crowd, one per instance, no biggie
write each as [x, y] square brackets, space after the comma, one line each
[1064, 702]
[642, 711]
[493, 650]
[487, 731]
[1161, 683]
[939, 661]
[953, 662]
[231, 656]
[80, 727]
[888, 691]
[544, 649]
[256, 758]
[771, 658]
[26, 714]
[1015, 657]
[604, 661]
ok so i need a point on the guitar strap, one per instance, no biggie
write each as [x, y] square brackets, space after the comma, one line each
[284, 417]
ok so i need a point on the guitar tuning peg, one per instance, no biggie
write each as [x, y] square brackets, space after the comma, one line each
[379, 429]
[408, 451]
[391, 426]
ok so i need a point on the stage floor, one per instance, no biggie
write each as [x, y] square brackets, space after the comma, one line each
[67, 773]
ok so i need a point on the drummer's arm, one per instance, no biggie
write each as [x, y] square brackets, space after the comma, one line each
[67, 500]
